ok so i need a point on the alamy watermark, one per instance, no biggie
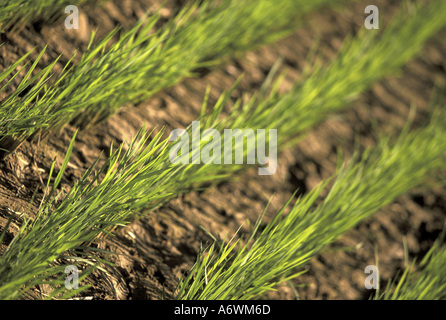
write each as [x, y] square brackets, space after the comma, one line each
[371, 281]
[372, 21]
[207, 147]
[72, 21]
[72, 280]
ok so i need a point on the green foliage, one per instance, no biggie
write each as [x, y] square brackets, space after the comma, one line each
[18, 115]
[427, 281]
[142, 177]
[146, 61]
[361, 61]
[361, 188]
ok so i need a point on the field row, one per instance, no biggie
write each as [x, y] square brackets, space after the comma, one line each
[143, 177]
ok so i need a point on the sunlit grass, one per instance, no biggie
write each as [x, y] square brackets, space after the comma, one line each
[142, 178]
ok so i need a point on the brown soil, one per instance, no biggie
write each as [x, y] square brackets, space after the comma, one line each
[157, 248]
